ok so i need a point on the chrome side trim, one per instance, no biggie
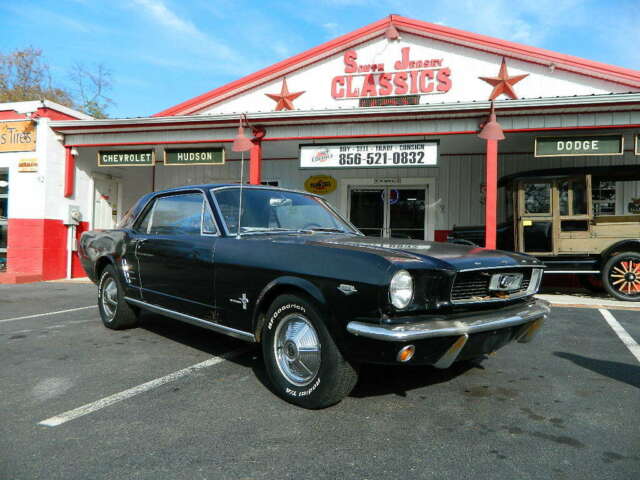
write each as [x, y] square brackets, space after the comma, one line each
[590, 272]
[232, 332]
[456, 326]
[450, 356]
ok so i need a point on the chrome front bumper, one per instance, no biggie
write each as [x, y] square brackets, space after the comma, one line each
[530, 315]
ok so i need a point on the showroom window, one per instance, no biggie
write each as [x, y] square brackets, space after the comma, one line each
[4, 215]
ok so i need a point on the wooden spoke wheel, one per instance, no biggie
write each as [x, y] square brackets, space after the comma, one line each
[621, 276]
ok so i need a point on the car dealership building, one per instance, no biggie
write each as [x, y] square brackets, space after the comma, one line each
[383, 122]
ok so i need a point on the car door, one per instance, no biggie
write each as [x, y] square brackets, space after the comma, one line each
[176, 255]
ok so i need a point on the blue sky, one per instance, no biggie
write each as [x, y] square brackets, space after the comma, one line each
[162, 52]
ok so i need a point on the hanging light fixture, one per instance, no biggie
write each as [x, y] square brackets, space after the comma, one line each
[241, 143]
[491, 130]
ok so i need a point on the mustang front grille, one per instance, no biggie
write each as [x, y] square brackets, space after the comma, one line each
[476, 286]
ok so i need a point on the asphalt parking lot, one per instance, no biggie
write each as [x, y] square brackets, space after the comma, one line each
[565, 406]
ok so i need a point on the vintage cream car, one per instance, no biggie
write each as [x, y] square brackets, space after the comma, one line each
[578, 221]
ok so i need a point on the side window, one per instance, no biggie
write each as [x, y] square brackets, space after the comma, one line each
[142, 225]
[208, 223]
[177, 215]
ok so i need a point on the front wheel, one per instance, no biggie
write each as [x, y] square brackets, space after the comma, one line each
[302, 360]
[621, 276]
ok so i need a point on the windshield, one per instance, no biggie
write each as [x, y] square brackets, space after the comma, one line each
[266, 210]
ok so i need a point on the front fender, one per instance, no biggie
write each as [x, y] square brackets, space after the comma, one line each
[632, 244]
[270, 291]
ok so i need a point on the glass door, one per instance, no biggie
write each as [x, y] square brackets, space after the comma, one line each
[406, 213]
[389, 211]
[367, 210]
[535, 217]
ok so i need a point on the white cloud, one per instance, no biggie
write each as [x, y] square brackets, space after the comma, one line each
[331, 28]
[178, 27]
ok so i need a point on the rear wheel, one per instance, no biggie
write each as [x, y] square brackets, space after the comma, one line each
[115, 312]
[621, 276]
[302, 361]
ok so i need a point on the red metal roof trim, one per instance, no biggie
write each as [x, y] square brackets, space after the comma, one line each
[536, 55]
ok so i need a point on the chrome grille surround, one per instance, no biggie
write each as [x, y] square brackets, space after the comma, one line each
[472, 286]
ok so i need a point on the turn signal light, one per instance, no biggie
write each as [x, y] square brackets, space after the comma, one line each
[406, 353]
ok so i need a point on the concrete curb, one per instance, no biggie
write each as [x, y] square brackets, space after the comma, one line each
[576, 301]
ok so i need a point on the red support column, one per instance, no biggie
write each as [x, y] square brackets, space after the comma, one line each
[69, 172]
[491, 195]
[255, 162]
[255, 156]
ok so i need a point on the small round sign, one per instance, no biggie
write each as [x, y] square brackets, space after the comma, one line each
[320, 184]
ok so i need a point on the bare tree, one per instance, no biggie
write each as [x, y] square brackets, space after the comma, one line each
[24, 75]
[90, 86]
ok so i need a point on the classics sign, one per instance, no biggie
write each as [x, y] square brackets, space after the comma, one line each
[320, 184]
[135, 158]
[579, 146]
[369, 155]
[406, 76]
[17, 136]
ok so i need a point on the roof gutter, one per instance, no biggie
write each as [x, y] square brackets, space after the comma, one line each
[503, 107]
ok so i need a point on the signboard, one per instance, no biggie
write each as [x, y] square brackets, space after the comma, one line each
[129, 158]
[369, 155]
[320, 184]
[194, 156]
[409, 74]
[579, 146]
[28, 165]
[389, 101]
[17, 136]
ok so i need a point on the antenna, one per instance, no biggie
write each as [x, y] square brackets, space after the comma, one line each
[241, 144]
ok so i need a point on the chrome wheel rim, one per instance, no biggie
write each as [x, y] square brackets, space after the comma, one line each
[109, 298]
[297, 349]
[625, 277]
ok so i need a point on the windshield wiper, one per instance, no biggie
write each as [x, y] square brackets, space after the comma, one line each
[250, 230]
[336, 230]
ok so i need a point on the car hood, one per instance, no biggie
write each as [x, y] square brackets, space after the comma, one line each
[410, 252]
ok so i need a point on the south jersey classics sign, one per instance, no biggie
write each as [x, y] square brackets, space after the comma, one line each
[369, 155]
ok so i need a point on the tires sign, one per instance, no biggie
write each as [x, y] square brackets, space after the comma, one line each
[369, 155]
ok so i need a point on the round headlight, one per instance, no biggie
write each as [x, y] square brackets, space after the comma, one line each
[401, 289]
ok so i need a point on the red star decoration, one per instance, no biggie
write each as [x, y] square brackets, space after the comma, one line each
[503, 83]
[285, 99]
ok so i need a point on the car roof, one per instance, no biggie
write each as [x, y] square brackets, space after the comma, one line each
[210, 186]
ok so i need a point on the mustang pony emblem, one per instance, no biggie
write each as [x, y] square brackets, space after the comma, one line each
[505, 281]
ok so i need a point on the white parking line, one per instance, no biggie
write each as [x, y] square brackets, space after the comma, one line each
[628, 341]
[131, 392]
[39, 329]
[46, 314]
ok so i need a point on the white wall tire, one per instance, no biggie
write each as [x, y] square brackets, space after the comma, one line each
[302, 361]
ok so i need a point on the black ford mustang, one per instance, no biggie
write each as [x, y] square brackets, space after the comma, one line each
[320, 297]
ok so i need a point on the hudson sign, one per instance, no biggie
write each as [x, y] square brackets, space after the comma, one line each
[407, 75]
